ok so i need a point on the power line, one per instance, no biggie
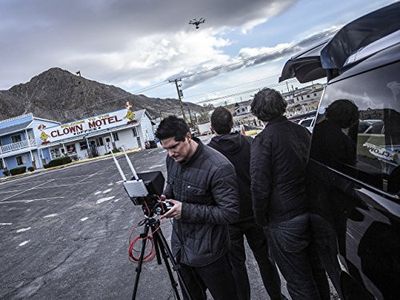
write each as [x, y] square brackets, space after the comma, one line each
[241, 93]
[235, 86]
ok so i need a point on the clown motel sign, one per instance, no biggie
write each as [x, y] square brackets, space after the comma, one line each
[89, 125]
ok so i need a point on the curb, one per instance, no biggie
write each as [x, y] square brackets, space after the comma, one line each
[71, 164]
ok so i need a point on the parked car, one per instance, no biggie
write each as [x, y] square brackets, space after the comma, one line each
[354, 164]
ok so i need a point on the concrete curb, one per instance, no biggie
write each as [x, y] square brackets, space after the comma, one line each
[70, 165]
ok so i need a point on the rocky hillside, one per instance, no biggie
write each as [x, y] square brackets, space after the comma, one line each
[59, 95]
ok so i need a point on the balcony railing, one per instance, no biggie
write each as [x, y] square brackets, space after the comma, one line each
[17, 146]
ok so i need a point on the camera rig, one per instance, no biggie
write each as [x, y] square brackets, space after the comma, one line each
[144, 189]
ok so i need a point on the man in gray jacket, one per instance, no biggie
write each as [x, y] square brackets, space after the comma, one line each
[202, 186]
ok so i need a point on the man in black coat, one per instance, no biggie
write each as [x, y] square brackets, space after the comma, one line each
[236, 147]
[278, 185]
[201, 185]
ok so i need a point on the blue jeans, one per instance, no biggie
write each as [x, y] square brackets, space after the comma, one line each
[289, 241]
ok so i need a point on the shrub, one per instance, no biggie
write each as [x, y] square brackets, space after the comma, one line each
[18, 170]
[6, 172]
[58, 162]
[31, 169]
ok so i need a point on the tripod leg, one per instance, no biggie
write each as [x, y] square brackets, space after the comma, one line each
[140, 262]
[156, 246]
[167, 253]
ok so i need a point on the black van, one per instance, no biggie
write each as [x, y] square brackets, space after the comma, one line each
[354, 164]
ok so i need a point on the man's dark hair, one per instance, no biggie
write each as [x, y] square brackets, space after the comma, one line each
[268, 104]
[343, 113]
[221, 120]
[172, 126]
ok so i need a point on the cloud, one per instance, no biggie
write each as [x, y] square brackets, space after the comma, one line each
[122, 42]
[249, 57]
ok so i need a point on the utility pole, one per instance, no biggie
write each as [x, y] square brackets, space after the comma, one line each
[180, 95]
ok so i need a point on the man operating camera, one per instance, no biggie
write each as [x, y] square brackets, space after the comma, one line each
[202, 187]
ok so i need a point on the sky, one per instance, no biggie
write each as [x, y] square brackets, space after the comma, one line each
[141, 45]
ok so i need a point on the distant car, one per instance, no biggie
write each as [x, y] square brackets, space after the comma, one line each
[151, 144]
[307, 123]
[354, 169]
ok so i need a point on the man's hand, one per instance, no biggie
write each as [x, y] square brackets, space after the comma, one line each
[175, 211]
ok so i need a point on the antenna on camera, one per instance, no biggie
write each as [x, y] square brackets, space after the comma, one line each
[130, 165]
[118, 167]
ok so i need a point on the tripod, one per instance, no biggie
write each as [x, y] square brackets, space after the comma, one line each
[161, 246]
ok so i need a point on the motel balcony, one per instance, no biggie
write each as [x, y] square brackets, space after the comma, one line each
[17, 146]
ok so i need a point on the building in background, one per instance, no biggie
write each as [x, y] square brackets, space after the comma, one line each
[19, 142]
[303, 100]
[32, 142]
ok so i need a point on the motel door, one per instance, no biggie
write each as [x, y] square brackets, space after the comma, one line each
[93, 149]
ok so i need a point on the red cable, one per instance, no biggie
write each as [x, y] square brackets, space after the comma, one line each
[147, 257]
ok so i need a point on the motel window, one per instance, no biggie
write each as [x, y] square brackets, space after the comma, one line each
[83, 145]
[71, 149]
[99, 142]
[19, 160]
[115, 136]
[1, 165]
[134, 131]
[16, 138]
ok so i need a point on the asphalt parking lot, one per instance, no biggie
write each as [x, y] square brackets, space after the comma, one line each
[64, 235]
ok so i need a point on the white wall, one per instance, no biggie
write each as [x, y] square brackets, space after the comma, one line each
[146, 128]
[126, 139]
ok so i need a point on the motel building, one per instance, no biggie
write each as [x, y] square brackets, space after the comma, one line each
[32, 142]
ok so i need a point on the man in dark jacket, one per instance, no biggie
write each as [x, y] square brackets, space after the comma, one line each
[201, 185]
[236, 147]
[278, 166]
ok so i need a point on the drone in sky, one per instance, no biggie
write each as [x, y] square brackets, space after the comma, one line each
[196, 22]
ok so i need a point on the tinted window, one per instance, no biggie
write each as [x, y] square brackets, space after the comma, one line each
[369, 148]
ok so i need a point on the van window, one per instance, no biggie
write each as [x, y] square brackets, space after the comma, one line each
[368, 148]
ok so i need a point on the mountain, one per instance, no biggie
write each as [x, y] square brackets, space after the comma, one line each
[59, 95]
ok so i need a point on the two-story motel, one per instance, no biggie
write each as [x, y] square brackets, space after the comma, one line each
[32, 142]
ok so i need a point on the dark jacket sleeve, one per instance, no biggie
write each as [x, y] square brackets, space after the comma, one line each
[261, 178]
[226, 197]
[168, 192]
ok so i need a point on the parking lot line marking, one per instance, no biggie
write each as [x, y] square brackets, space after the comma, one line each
[27, 190]
[24, 243]
[156, 166]
[50, 216]
[59, 185]
[6, 192]
[84, 219]
[23, 229]
[5, 224]
[107, 191]
[104, 199]
[30, 200]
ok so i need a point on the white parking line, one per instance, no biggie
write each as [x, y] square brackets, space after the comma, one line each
[30, 200]
[104, 199]
[23, 229]
[24, 243]
[26, 190]
[5, 224]
[50, 216]
[60, 185]
[156, 166]
[6, 192]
